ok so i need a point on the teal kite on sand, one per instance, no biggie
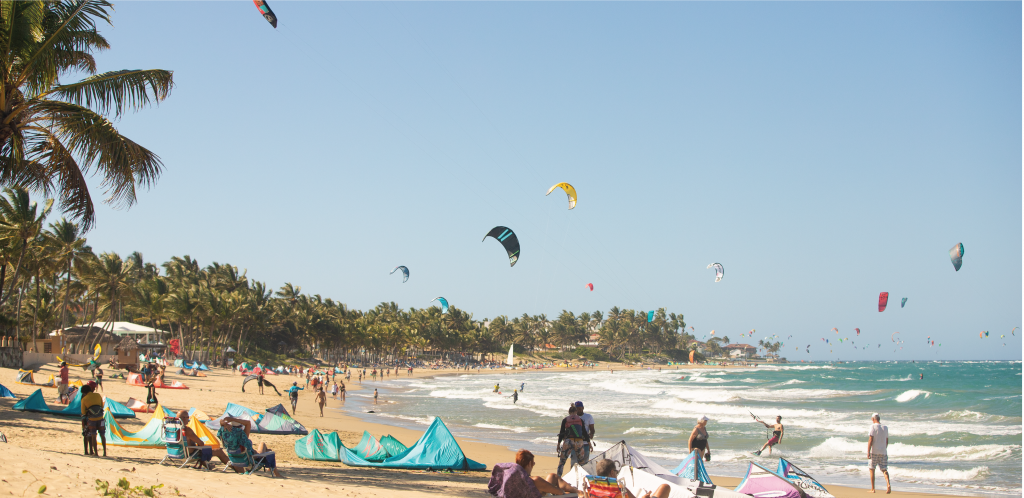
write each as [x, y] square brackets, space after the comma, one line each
[437, 449]
[117, 409]
[392, 445]
[35, 403]
[692, 467]
[370, 449]
[150, 436]
[319, 446]
[6, 393]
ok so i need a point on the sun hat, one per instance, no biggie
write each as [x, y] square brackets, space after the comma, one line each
[702, 418]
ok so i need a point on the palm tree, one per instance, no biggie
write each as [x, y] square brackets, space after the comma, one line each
[21, 220]
[109, 278]
[67, 245]
[53, 134]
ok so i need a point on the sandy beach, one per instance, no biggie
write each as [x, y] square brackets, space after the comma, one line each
[49, 448]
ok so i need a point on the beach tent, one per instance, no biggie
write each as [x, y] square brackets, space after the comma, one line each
[117, 409]
[370, 449]
[392, 445]
[802, 480]
[5, 393]
[437, 449]
[179, 363]
[692, 468]
[318, 446]
[761, 482]
[28, 378]
[208, 437]
[271, 423]
[35, 403]
[198, 414]
[150, 436]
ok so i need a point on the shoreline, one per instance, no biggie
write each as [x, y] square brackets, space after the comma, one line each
[49, 447]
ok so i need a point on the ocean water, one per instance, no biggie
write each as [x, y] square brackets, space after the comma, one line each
[958, 431]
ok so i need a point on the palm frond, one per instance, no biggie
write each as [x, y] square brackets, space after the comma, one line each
[118, 91]
[68, 25]
[68, 179]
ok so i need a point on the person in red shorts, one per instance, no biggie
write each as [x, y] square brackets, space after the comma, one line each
[777, 432]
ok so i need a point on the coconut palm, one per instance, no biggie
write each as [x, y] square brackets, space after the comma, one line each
[21, 220]
[67, 246]
[52, 135]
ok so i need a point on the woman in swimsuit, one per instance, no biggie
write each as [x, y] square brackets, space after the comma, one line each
[777, 431]
[699, 438]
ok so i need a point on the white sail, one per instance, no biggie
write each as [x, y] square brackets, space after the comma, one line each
[509, 360]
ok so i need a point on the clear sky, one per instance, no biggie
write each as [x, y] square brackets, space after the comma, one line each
[823, 152]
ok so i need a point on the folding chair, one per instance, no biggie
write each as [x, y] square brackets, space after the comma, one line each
[177, 445]
[602, 487]
[243, 459]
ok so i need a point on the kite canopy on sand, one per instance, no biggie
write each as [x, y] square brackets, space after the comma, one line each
[437, 449]
[760, 481]
[802, 480]
[35, 403]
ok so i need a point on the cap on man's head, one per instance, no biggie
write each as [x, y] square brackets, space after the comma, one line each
[579, 404]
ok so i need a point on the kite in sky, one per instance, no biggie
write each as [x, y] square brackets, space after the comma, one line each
[956, 255]
[569, 191]
[903, 303]
[858, 331]
[590, 286]
[883, 300]
[444, 303]
[719, 271]
[650, 318]
[267, 13]
[405, 273]
[508, 240]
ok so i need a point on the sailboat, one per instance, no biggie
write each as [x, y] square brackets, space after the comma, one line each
[510, 362]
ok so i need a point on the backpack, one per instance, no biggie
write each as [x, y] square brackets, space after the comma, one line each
[293, 394]
[574, 427]
[94, 411]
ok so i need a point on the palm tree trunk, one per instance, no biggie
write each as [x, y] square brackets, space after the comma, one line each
[64, 306]
[17, 271]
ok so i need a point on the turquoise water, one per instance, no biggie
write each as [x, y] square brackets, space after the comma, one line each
[958, 431]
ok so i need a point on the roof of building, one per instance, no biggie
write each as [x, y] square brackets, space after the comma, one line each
[740, 346]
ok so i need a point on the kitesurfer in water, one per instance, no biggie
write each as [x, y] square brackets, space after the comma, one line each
[777, 431]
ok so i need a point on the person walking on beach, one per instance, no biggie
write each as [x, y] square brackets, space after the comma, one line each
[699, 438]
[62, 384]
[321, 399]
[777, 432]
[341, 390]
[375, 396]
[98, 373]
[572, 436]
[588, 425]
[259, 380]
[293, 395]
[878, 455]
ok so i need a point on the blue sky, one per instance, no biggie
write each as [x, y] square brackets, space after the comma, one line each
[823, 152]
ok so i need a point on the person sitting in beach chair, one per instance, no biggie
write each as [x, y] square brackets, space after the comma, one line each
[234, 435]
[195, 444]
[606, 485]
[178, 447]
[513, 480]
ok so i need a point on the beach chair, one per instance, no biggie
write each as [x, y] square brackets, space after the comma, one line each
[177, 445]
[602, 487]
[249, 462]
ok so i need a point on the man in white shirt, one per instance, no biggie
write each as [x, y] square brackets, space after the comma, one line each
[588, 425]
[878, 441]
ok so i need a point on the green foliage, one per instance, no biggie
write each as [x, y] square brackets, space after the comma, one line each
[592, 354]
[678, 354]
[124, 489]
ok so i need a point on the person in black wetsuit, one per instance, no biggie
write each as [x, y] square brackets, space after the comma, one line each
[699, 438]
[777, 431]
